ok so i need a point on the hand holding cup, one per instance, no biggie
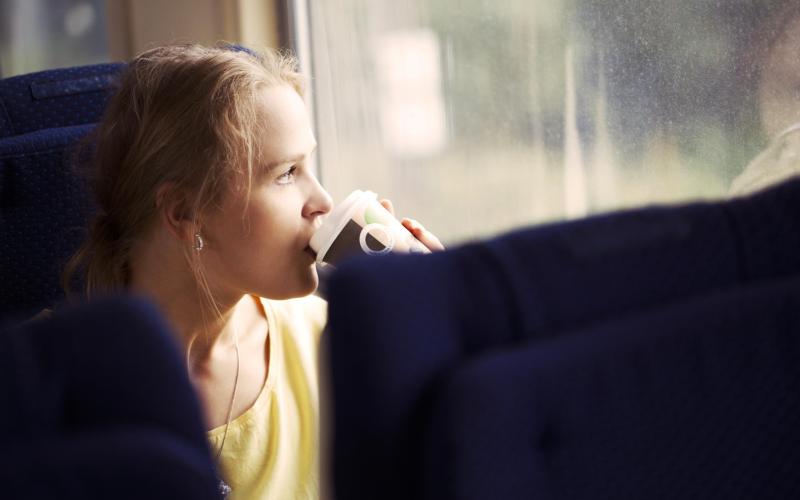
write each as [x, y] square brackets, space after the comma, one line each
[426, 237]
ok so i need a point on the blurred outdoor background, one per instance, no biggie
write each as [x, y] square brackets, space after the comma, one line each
[479, 116]
[483, 116]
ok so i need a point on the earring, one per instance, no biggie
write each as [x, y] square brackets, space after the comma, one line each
[198, 242]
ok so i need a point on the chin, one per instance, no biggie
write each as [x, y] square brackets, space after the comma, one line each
[304, 283]
[307, 290]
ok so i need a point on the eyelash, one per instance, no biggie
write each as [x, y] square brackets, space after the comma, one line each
[286, 177]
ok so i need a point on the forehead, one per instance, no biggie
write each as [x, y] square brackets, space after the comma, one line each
[286, 124]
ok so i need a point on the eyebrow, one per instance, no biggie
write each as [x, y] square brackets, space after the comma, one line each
[292, 159]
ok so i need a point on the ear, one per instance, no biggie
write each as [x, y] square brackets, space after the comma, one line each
[175, 212]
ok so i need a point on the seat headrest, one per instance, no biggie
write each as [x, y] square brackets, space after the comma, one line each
[55, 98]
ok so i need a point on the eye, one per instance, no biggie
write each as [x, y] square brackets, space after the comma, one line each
[288, 176]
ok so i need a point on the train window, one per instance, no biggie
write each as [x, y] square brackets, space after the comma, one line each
[480, 116]
[42, 34]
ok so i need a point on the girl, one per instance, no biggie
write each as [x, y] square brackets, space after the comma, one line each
[206, 204]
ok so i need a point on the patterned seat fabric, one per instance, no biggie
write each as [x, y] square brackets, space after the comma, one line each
[44, 200]
[55, 98]
[44, 206]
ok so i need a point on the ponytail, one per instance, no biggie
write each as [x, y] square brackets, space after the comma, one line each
[102, 260]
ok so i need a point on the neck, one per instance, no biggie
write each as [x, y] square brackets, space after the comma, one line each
[169, 283]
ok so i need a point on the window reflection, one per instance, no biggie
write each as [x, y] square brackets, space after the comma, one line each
[478, 116]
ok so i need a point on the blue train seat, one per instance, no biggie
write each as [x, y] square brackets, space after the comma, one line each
[45, 118]
[400, 325]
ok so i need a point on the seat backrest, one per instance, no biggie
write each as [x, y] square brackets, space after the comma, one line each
[95, 402]
[398, 323]
[44, 200]
[55, 98]
[694, 400]
[44, 207]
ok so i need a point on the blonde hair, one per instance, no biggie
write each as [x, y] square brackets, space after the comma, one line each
[187, 115]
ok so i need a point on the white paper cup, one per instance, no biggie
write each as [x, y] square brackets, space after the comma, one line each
[360, 225]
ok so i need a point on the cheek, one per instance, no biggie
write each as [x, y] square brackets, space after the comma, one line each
[272, 233]
[271, 229]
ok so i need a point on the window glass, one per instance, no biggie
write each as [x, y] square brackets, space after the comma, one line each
[42, 34]
[478, 116]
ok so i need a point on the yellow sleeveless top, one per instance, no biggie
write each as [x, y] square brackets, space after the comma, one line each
[272, 450]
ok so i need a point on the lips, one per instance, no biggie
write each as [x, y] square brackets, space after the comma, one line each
[310, 252]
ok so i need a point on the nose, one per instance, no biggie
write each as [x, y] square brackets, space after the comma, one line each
[319, 202]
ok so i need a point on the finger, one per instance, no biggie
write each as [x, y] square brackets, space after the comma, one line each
[387, 205]
[426, 237]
